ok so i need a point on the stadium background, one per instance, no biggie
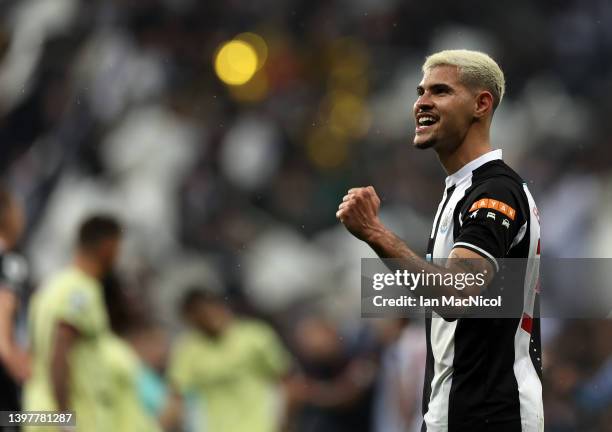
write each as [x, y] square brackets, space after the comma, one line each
[116, 106]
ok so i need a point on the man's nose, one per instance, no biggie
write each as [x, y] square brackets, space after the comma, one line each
[423, 102]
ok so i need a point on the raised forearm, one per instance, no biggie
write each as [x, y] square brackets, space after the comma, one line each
[398, 256]
[359, 214]
[389, 246]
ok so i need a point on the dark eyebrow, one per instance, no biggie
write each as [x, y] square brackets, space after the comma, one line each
[435, 88]
[441, 88]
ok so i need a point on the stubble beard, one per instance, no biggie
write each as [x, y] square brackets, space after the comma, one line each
[424, 145]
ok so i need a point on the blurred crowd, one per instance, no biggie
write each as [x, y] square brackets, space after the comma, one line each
[226, 195]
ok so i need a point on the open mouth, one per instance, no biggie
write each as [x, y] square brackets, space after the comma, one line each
[424, 122]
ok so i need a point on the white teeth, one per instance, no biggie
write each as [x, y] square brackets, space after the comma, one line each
[426, 119]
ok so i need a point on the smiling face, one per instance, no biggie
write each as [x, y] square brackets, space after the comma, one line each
[444, 109]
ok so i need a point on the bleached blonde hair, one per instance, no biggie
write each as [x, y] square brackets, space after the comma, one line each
[476, 70]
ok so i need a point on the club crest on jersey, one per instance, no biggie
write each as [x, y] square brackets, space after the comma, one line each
[445, 223]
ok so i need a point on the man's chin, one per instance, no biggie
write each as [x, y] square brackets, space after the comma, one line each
[422, 143]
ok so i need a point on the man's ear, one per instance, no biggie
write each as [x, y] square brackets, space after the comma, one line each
[484, 104]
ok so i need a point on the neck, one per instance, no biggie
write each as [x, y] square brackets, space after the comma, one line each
[88, 265]
[475, 144]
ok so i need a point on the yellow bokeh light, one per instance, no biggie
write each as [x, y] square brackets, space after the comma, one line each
[236, 62]
[258, 44]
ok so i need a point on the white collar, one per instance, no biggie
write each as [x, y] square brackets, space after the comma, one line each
[471, 166]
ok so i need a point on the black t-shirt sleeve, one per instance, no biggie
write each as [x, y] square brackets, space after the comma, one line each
[490, 219]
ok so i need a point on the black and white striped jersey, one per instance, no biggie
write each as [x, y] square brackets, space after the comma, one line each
[484, 374]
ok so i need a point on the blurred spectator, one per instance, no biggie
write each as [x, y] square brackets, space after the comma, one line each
[68, 326]
[14, 361]
[133, 353]
[577, 377]
[128, 410]
[227, 368]
[338, 379]
[151, 342]
[397, 403]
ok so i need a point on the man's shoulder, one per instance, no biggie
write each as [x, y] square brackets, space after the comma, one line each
[497, 174]
[71, 279]
[496, 186]
[190, 340]
[252, 326]
[253, 331]
[496, 180]
[70, 291]
[187, 336]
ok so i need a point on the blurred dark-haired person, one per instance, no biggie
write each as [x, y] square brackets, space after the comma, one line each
[481, 374]
[122, 362]
[68, 324]
[337, 377]
[14, 360]
[228, 369]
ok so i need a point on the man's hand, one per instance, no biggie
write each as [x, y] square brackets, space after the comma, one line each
[358, 211]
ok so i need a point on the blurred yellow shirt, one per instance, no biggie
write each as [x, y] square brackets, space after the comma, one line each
[233, 379]
[74, 298]
[128, 411]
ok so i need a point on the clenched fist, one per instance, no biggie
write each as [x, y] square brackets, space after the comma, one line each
[358, 211]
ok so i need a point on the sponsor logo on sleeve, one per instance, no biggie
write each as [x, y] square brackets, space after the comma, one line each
[492, 204]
